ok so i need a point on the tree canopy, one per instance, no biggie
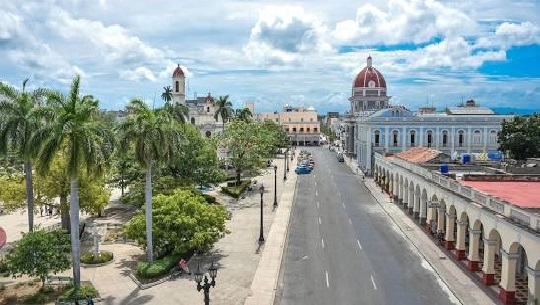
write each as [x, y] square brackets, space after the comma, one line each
[521, 137]
[182, 222]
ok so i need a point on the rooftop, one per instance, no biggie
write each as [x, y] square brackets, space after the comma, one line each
[523, 194]
[418, 154]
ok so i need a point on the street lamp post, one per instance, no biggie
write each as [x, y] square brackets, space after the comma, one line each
[286, 157]
[205, 287]
[275, 186]
[261, 236]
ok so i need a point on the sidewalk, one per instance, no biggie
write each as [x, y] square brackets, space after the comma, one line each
[452, 277]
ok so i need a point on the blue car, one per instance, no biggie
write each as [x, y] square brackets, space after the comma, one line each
[300, 170]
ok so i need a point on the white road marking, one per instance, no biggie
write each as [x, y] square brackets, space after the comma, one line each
[343, 204]
[350, 221]
[315, 183]
[318, 205]
[322, 242]
[373, 282]
[316, 193]
[359, 245]
[319, 220]
[327, 281]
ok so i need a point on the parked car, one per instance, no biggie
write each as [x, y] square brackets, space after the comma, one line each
[300, 170]
[340, 157]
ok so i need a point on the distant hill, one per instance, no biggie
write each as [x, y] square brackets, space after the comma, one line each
[516, 111]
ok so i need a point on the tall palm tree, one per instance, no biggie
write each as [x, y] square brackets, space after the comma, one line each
[166, 96]
[225, 110]
[155, 138]
[72, 129]
[244, 114]
[17, 124]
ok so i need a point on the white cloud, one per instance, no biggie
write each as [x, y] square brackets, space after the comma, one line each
[140, 73]
[10, 27]
[509, 34]
[404, 21]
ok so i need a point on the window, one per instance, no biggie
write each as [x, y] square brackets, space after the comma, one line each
[461, 138]
[193, 121]
[301, 129]
[207, 109]
[477, 137]
[208, 134]
[315, 129]
[444, 138]
[287, 129]
[308, 129]
[294, 129]
[301, 119]
[493, 137]
[377, 138]
[177, 86]
[429, 138]
[395, 135]
[412, 134]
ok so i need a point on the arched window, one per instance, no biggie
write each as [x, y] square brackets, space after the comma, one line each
[177, 86]
[493, 137]
[429, 137]
[461, 138]
[207, 109]
[301, 129]
[308, 129]
[413, 137]
[444, 138]
[193, 121]
[301, 119]
[477, 137]
[377, 138]
[208, 134]
[294, 129]
[395, 137]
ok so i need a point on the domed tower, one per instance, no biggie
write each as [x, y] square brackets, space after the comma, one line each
[179, 86]
[368, 90]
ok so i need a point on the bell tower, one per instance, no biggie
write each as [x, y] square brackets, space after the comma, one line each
[179, 86]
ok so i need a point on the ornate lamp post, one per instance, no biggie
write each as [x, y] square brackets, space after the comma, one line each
[261, 236]
[275, 186]
[286, 157]
[205, 287]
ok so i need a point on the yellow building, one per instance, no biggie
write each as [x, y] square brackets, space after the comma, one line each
[300, 124]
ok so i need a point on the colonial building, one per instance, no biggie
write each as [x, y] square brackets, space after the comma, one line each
[201, 110]
[300, 124]
[375, 125]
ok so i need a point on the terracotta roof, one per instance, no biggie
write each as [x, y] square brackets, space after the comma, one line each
[418, 154]
[519, 193]
[178, 72]
[369, 74]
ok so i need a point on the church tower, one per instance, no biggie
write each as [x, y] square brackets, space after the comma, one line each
[179, 86]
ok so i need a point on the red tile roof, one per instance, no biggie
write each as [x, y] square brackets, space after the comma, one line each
[519, 193]
[418, 154]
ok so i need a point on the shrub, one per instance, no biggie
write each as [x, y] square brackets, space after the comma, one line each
[103, 257]
[209, 198]
[158, 268]
[37, 298]
[2, 286]
[71, 294]
[236, 191]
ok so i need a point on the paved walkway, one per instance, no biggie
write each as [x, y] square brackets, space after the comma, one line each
[460, 284]
[237, 255]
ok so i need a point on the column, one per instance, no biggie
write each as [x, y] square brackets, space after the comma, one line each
[440, 219]
[421, 137]
[474, 241]
[396, 188]
[410, 207]
[423, 211]
[533, 278]
[488, 270]
[452, 137]
[460, 242]
[386, 138]
[507, 286]
[416, 208]
[449, 238]
[404, 139]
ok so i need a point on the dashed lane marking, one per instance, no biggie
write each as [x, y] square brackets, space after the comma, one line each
[359, 245]
[322, 243]
[327, 281]
[373, 282]
[319, 220]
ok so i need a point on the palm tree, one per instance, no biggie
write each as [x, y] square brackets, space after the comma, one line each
[155, 137]
[166, 96]
[225, 110]
[72, 129]
[18, 123]
[244, 114]
[179, 112]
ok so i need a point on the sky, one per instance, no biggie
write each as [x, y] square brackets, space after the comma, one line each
[301, 53]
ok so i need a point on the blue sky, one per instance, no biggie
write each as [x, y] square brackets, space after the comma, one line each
[303, 53]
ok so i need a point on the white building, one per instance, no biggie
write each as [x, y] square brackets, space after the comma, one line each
[201, 109]
[374, 125]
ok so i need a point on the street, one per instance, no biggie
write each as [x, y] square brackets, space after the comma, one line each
[343, 249]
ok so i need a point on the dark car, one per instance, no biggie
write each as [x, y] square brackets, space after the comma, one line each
[300, 170]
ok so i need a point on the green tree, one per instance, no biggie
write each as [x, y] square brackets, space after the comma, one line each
[224, 109]
[274, 135]
[18, 123]
[167, 96]
[521, 137]
[73, 129]
[13, 192]
[244, 114]
[179, 112]
[125, 169]
[38, 254]
[248, 144]
[155, 137]
[182, 222]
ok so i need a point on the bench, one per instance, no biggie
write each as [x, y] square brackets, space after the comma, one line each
[58, 280]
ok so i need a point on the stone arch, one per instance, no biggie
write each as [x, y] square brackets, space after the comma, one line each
[462, 236]
[476, 245]
[450, 236]
[441, 217]
[491, 267]
[400, 188]
[432, 214]
[423, 207]
[513, 270]
[410, 206]
[417, 198]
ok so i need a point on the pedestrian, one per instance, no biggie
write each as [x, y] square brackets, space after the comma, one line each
[50, 210]
[41, 210]
[183, 266]
[89, 301]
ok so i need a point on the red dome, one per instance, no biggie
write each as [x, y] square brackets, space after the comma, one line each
[369, 77]
[178, 72]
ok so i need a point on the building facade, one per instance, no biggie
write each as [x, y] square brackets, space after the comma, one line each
[300, 124]
[201, 110]
[375, 125]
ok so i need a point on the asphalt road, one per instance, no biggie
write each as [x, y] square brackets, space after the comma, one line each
[343, 249]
